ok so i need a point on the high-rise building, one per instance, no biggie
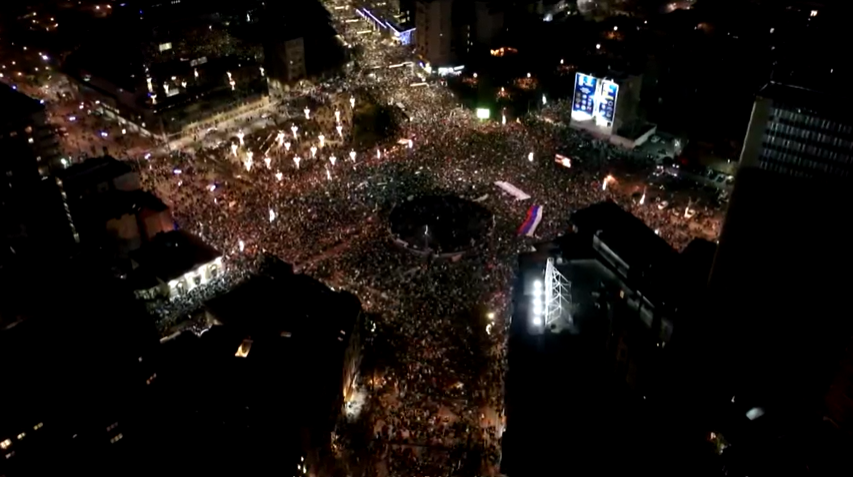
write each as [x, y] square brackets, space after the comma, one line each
[799, 132]
[434, 32]
[29, 151]
[29, 146]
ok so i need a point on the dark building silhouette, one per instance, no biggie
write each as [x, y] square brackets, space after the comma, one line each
[590, 396]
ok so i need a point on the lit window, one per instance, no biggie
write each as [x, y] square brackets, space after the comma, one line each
[30, 140]
[22, 435]
[116, 438]
[38, 426]
[5, 444]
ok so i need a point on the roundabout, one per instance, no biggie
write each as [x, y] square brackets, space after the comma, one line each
[442, 225]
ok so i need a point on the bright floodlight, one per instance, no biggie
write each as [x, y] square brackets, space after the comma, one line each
[241, 245]
[313, 151]
[287, 146]
[294, 129]
[607, 179]
[322, 139]
[307, 113]
[537, 321]
[333, 159]
[340, 130]
[272, 216]
[598, 46]
[337, 116]
[233, 149]
[503, 119]
[754, 413]
[352, 155]
[296, 159]
[411, 143]
[240, 136]
[483, 113]
[352, 101]
[544, 100]
[537, 285]
[262, 72]
[530, 157]
[268, 162]
[528, 75]
[378, 154]
[248, 165]
[328, 174]
[279, 138]
[278, 176]
[643, 198]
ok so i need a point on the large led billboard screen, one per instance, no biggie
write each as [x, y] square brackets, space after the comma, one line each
[607, 100]
[583, 106]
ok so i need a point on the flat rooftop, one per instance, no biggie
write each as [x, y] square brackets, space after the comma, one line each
[16, 104]
[93, 171]
[170, 255]
[625, 234]
[279, 302]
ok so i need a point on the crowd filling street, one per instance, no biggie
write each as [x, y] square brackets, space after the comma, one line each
[301, 186]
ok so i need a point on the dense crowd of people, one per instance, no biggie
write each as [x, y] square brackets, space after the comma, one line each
[436, 356]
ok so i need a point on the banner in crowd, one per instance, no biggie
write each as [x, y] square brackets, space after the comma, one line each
[512, 190]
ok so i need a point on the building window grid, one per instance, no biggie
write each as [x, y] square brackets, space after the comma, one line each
[828, 146]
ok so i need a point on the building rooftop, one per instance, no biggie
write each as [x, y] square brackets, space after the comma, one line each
[93, 171]
[282, 303]
[805, 98]
[623, 233]
[170, 255]
[16, 104]
[114, 204]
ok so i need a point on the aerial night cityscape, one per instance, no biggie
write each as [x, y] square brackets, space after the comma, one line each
[425, 238]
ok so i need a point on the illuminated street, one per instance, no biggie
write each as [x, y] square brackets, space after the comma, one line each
[293, 181]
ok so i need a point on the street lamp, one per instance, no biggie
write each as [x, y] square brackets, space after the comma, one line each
[530, 157]
[337, 116]
[294, 128]
[296, 159]
[322, 139]
[352, 155]
[233, 149]
[313, 152]
[340, 130]
[240, 136]
[333, 159]
[287, 147]
[307, 113]
[352, 101]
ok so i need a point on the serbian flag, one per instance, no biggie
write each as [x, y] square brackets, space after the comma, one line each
[534, 216]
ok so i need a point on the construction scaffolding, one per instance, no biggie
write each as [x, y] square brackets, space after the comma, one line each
[558, 295]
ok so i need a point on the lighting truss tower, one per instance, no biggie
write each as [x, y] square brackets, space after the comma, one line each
[557, 294]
